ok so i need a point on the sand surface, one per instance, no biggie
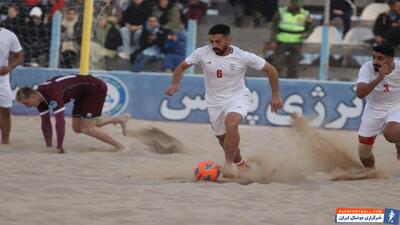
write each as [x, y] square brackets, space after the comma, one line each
[94, 185]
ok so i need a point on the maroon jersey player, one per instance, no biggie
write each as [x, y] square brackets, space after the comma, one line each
[88, 94]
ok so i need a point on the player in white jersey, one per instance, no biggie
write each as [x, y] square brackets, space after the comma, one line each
[227, 97]
[8, 44]
[379, 81]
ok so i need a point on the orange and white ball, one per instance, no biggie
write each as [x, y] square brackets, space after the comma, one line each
[207, 171]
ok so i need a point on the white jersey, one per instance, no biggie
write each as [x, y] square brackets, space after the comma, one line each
[224, 75]
[386, 94]
[8, 43]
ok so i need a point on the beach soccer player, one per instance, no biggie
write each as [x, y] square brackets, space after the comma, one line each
[9, 44]
[379, 82]
[88, 94]
[227, 97]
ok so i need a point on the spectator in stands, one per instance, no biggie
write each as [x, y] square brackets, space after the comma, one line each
[111, 9]
[152, 43]
[387, 25]
[78, 5]
[106, 40]
[36, 39]
[28, 5]
[70, 38]
[168, 14]
[290, 26]
[6, 4]
[14, 22]
[342, 9]
[174, 50]
[132, 22]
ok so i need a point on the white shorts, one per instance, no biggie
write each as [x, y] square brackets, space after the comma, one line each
[240, 104]
[374, 121]
[5, 95]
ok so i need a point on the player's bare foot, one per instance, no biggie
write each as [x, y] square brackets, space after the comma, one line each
[227, 171]
[123, 121]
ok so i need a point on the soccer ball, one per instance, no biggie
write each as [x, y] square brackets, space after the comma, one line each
[207, 170]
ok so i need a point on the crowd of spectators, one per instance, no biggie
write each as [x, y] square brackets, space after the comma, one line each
[140, 32]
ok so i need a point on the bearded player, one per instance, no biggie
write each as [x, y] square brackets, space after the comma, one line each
[379, 82]
[227, 97]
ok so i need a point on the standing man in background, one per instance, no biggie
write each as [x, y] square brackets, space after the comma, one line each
[227, 97]
[9, 44]
[290, 26]
[379, 81]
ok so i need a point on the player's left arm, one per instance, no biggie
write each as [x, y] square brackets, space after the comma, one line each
[276, 101]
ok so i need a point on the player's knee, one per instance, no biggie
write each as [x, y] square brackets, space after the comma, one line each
[87, 130]
[231, 126]
[391, 136]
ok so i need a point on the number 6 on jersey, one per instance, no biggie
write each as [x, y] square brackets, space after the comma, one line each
[219, 73]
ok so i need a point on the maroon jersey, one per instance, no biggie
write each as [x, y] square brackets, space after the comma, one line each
[88, 93]
[60, 90]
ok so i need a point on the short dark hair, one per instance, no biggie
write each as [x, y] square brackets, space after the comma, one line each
[23, 93]
[385, 49]
[220, 29]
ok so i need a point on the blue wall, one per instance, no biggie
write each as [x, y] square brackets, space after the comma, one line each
[327, 104]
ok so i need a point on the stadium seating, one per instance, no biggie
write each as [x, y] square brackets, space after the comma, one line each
[357, 36]
[316, 36]
[372, 11]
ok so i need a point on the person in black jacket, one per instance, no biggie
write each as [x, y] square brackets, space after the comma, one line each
[36, 39]
[106, 40]
[152, 43]
[131, 23]
[342, 9]
[387, 25]
[14, 22]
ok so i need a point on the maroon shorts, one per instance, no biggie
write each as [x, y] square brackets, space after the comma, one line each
[91, 104]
